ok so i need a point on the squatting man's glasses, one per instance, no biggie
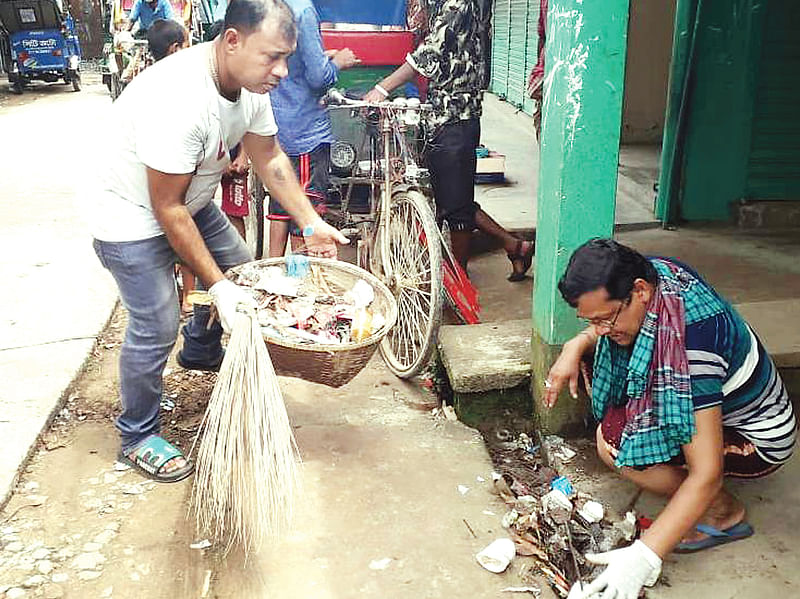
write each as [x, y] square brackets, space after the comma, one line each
[604, 322]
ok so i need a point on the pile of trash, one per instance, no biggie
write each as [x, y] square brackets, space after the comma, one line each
[547, 518]
[299, 305]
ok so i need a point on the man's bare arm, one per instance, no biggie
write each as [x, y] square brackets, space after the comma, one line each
[168, 197]
[275, 170]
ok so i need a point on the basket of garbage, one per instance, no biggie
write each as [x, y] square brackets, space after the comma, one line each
[322, 319]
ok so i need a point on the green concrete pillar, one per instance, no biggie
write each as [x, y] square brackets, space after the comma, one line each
[581, 120]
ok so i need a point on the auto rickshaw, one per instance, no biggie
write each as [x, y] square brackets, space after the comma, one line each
[42, 43]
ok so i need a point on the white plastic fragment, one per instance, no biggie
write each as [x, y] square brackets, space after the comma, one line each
[496, 556]
[535, 591]
[509, 518]
[556, 499]
[463, 489]
[204, 544]
[566, 453]
[380, 564]
[592, 511]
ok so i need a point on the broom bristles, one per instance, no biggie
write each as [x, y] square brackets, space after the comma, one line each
[247, 461]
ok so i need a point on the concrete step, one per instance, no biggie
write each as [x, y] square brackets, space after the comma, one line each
[488, 365]
[489, 369]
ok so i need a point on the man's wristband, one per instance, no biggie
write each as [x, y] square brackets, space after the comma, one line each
[381, 89]
[308, 230]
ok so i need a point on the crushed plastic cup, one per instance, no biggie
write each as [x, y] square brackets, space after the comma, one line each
[496, 556]
[592, 511]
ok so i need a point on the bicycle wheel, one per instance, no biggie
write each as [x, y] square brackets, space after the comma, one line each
[254, 221]
[415, 262]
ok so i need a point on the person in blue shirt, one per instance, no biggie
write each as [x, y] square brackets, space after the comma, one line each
[304, 129]
[148, 11]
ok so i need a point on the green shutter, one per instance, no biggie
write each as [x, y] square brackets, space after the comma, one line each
[501, 19]
[532, 52]
[517, 51]
[773, 169]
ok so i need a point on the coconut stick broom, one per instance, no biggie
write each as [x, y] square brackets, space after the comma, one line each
[247, 461]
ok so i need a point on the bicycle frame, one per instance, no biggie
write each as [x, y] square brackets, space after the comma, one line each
[392, 126]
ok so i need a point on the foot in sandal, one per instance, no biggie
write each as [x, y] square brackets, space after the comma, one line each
[159, 460]
[521, 259]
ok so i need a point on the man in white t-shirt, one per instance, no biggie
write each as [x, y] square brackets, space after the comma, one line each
[173, 129]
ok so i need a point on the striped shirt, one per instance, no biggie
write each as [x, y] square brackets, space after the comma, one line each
[729, 367]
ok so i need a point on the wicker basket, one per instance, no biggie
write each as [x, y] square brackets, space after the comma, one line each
[332, 365]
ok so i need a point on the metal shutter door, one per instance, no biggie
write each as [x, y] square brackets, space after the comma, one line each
[501, 19]
[773, 169]
[532, 51]
[517, 51]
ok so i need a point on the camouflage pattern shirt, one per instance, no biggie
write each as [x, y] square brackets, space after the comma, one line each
[451, 57]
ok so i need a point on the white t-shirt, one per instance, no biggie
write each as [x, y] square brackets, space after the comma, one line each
[172, 119]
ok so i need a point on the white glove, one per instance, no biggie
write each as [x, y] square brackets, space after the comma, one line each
[629, 569]
[227, 297]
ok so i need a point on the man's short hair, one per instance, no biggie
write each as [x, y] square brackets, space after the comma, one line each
[162, 34]
[246, 16]
[604, 263]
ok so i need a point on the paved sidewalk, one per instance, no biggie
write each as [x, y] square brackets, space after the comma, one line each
[508, 131]
[56, 297]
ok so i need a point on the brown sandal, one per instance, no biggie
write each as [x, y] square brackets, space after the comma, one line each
[519, 256]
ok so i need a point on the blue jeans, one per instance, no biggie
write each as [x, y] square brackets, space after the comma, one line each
[145, 274]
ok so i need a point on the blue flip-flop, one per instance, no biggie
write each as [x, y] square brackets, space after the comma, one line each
[715, 537]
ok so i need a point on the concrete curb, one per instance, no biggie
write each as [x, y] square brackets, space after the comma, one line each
[45, 375]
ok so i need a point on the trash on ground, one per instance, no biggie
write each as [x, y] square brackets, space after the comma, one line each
[561, 483]
[535, 591]
[463, 489]
[592, 511]
[548, 519]
[380, 564]
[496, 556]
[204, 544]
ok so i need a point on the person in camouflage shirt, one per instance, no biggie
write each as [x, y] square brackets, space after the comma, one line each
[451, 56]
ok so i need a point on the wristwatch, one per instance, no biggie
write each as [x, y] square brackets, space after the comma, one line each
[308, 230]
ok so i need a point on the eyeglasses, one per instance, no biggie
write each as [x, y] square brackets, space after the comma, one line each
[605, 323]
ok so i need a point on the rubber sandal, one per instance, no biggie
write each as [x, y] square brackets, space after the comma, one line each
[526, 258]
[191, 365]
[715, 537]
[151, 455]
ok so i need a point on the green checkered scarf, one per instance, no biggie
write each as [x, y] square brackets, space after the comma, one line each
[651, 378]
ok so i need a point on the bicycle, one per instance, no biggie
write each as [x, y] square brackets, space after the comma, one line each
[397, 236]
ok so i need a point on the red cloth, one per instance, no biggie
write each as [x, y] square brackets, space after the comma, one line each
[536, 78]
